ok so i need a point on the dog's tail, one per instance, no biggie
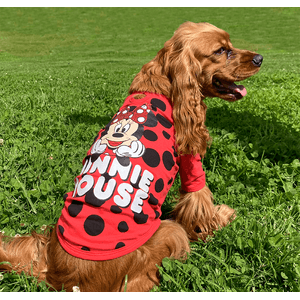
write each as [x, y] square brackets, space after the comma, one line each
[26, 253]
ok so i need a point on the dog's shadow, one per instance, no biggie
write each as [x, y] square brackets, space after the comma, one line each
[268, 137]
[87, 119]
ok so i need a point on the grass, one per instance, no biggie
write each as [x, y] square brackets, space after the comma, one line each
[64, 73]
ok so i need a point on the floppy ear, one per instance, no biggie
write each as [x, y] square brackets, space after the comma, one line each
[189, 111]
[151, 77]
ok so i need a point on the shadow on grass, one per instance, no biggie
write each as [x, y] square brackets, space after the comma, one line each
[87, 119]
[270, 138]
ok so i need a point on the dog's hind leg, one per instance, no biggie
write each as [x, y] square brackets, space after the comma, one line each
[170, 240]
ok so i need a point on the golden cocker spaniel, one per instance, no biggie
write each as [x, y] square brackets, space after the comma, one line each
[110, 225]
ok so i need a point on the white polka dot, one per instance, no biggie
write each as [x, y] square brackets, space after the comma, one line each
[125, 112]
[144, 107]
[116, 120]
[140, 111]
[141, 119]
[130, 116]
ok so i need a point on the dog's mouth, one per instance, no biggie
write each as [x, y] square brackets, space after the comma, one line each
[229, 90]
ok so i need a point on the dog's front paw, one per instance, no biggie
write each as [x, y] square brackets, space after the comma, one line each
[136, 149]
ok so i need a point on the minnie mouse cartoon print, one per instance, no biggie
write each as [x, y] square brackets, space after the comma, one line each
[125, 130]
[126, 175]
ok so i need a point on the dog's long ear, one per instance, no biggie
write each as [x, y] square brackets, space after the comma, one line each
[151, 77]
[189, 111]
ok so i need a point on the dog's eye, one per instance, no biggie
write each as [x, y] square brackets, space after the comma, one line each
[220, 51]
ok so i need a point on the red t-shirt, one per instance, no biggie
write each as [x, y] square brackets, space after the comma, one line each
[126, 175]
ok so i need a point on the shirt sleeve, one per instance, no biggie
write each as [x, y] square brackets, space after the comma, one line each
[191, 173]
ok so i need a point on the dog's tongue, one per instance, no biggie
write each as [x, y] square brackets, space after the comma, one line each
[236, 88]
[240, 89]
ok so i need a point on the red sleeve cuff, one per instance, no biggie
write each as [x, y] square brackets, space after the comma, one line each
[191, 173]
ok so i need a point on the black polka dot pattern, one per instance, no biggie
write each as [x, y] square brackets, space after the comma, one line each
[91, 199]
[151, 120]
[107, 177]
[115, 209]
[170, 181]
[94, 157]
[159, 185]
[166, 135]
[93, 225]
[120, 245]
[150, 135]
[85, 248]
[61, 229]
[124, 161]
[152, 200]
[157, 214]
[75, 208]
[163, 121]
[151, 158]
[157, 103]
[168, 160]
[175, 153]
[65, 197]
[123, 227]
[140, 218]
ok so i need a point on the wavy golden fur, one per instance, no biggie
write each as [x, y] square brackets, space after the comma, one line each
[198, 61]
[174, 73]
[183, 70]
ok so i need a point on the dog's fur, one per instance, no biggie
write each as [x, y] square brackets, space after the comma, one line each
[198, 61]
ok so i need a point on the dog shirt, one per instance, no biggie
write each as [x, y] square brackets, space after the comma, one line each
[126, 175]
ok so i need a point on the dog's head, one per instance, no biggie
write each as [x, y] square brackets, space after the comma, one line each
[198, 61]
[205, 54]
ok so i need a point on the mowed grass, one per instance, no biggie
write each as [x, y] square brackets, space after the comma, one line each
[65, 72]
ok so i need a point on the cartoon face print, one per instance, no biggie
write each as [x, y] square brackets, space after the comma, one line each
[125, 130]
[121, 134]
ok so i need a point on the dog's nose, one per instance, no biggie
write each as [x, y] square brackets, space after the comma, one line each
[257, 60]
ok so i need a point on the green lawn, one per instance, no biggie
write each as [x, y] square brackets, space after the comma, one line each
[65, 71]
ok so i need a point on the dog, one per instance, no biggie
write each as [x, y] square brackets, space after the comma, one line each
[109, 236]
